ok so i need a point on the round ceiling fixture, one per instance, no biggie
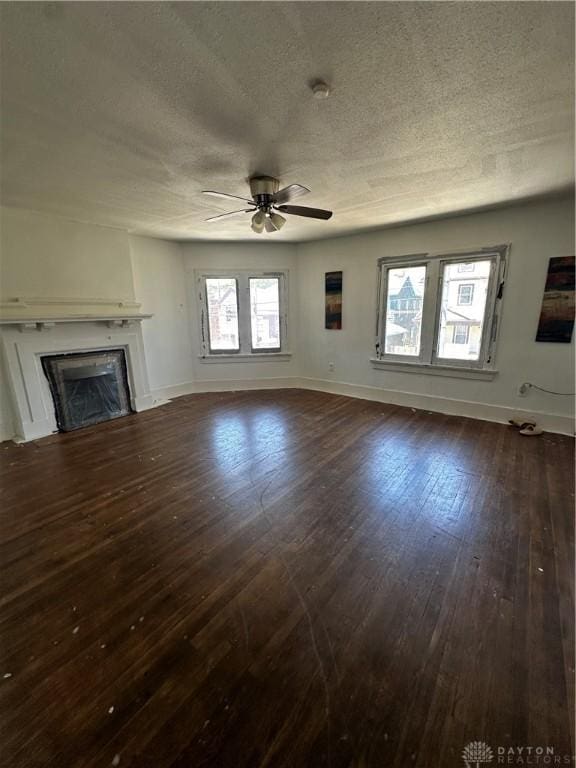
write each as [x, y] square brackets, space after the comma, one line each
[320, 89]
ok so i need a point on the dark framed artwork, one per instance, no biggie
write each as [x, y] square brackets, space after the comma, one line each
[333, 301]
[557, 313]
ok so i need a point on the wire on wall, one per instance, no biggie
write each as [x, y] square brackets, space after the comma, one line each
[529, 385]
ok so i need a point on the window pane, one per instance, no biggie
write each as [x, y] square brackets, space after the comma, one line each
[222, 296]
[404, 310]
[265, 312]
[462, 310]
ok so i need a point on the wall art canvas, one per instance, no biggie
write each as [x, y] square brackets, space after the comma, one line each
[334, 300]
[557, 313]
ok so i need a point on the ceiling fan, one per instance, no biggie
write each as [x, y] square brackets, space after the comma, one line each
[267, 200]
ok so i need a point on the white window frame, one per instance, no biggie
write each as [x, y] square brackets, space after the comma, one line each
[245, 351]
[428, 360]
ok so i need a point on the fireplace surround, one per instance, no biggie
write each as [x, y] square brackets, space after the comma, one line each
[25, 342]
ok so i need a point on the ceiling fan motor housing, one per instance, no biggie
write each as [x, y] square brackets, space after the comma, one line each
[262, 188]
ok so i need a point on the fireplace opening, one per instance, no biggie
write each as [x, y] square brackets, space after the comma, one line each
[88, 387]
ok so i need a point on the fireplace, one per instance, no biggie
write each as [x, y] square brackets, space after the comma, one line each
[88, 387]
[34, 386]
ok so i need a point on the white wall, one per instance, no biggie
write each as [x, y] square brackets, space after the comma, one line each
[234, 256]
[160, 285]
[536, 232]
[48, 257]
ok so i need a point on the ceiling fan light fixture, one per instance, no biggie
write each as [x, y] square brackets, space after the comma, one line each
[277, 220]
[258, 221]
[268, 203]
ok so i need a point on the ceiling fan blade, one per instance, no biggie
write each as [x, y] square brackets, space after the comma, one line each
[232, 213]
[311, 213]
[226, 196]
[290, 193]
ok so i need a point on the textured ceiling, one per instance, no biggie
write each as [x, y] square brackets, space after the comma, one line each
[120, 113]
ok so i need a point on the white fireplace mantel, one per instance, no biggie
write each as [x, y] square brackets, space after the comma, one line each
[26, 339]
[46, 322]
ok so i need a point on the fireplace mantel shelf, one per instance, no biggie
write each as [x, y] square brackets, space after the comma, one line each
[46, 322]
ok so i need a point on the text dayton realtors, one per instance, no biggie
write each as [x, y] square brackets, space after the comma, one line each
[531, 756]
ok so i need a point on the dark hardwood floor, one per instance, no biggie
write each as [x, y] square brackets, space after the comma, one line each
[285, 579]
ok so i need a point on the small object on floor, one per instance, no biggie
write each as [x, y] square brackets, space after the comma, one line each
[521, 424]
[531, 429]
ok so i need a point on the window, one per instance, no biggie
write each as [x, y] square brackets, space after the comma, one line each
[428, 317]
[403, 316]
[222, 302]
[465, 294]
[460, 334]
[265, 312]
[242, 313]
[474, 298]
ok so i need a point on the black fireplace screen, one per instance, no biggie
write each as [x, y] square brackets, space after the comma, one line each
[88, 387]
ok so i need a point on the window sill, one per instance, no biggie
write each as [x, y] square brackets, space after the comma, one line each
[455, 371]
[257, 357]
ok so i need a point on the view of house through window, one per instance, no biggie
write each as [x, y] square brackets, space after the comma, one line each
[465, 293]
[243, 313]
[441, 310]
[462, 321]
[222, 301]
[461, 334]
[265, 312]
[404, 310]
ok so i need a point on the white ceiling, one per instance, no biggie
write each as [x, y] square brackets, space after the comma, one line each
[120, 113]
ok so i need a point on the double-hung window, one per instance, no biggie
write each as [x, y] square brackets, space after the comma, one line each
[242, 313]
[440, 311]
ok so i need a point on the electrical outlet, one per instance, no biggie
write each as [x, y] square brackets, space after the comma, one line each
[331, 367]
[523, 389]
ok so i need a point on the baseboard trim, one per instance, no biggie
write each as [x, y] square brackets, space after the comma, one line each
[551, 422]
[237, 385]
[33, 430]
[164, 394]
[144, 403]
